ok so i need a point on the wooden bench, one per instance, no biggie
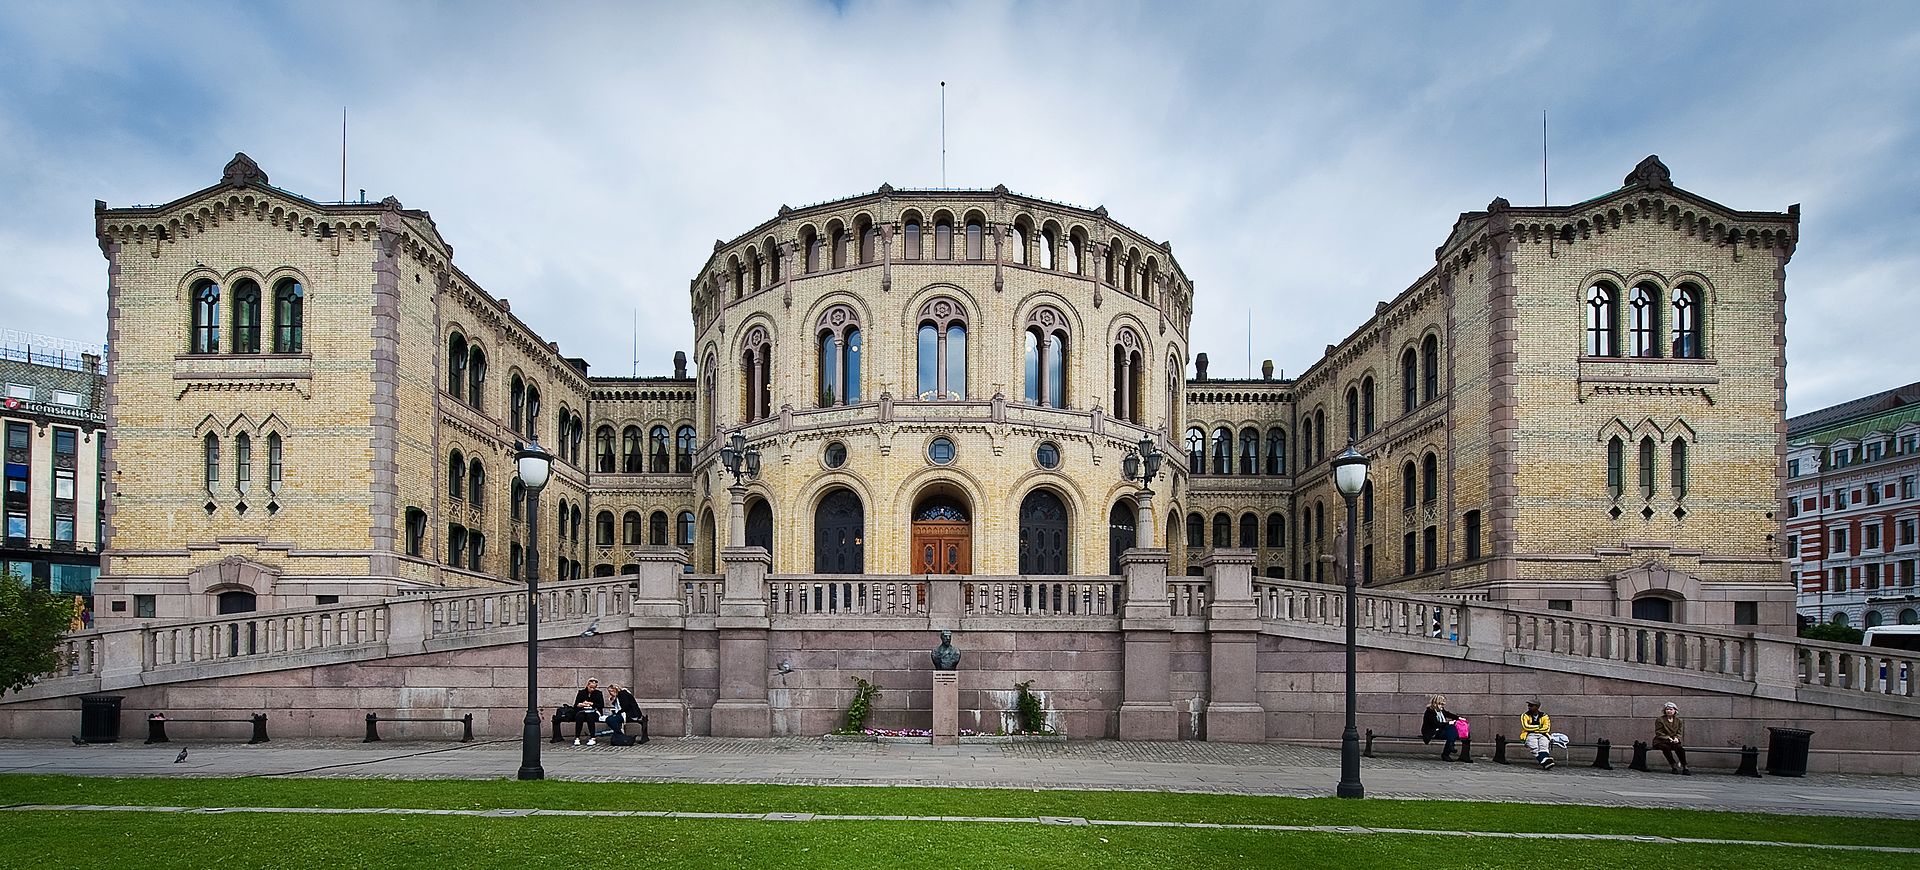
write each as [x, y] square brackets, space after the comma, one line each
[639, 717]
[1749, 757]
[1602, 750]
[373, 720]
[157, 726]
[1466, 744]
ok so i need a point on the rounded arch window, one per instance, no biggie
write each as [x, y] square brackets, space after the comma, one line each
[1047, 455]
[940, 450]
[835, 455]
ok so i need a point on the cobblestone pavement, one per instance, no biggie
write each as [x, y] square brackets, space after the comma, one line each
[1270, 769]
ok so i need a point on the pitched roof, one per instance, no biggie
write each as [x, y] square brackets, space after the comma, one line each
[1878, 403]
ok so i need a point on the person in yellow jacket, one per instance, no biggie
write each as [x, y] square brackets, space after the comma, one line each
[1535, 726]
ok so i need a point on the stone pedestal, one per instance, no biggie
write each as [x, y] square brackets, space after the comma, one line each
[1146, 708]
[946, 708]
[1234, 714]
[742, 709]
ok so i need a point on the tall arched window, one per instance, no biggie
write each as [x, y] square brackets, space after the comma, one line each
[533, 413]
[1409, 484]
[476, 483]
[910, 237]
[1366, 405]
[1686, 322]
[709, 409]
[516, 404]
[1602, 314]
[1222, 530]
[1276, 530]
[1222, 450]
[1430, 363]
[1429, 479]
[839, 347]
[1196, 450]
[603, 529]
[1646, 467]
[1366, 502]
[1249, 531]
[289, 316]
[941, 351]
[246, 317]
[756, 389]
[1319, 434]
[1677, 468]
[1353, 414]
[943, 237]
[517, 496]
[1409, 381]
[760, 524]
[210, 458]
[657, 529]
[1043, 533]
[684, 529]
[476, 377]
[1306, 441]
[657, 448]
[1128, 358]
[1249, 451]
[456, 476]
[603, 449]
[630, 528]
[683, 449]
[1017, 240]
[457, 365]
[1048, 241]
[1616, 468]
[1131, 270]
[738, 271]
[839, 533]
[976, 238]
[276, 462]
[242, 463]
[1123, 533]
[869, 241]
[837, 244]
[1276, 451]
[206, 317]
[1643, 330]
[631, 452]
[810, 243]
[1196, 531]
[776, 260]
[1076, 254]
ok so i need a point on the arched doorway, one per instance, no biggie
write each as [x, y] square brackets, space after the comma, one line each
[839, 534]
[1043, 533]
[707, 559]
[942, 540]
[760, 525]
[1121, 534]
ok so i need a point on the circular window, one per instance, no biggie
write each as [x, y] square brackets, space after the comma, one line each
[1047, 455]
[940, 450]
[835, 455]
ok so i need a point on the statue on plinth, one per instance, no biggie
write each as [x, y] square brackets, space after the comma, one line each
[945, 657]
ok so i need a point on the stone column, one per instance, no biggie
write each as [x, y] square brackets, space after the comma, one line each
[1143, 523]
[1146, 708]
[658, 621]
[1234, 714]
[742, 709]
[737, 517]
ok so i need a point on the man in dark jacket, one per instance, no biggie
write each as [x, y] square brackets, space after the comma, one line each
[585, 712]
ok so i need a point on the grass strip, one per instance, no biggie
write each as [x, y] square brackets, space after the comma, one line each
[845, 800]
[116, 840]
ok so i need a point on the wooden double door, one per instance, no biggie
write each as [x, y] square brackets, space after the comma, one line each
[942, 547]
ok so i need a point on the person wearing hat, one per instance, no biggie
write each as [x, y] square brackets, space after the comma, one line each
[1536, 727]
[1669, 733]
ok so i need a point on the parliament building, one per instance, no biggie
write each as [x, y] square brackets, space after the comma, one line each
[1578, 407]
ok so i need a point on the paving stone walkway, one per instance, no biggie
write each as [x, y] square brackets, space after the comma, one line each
[1267, 769]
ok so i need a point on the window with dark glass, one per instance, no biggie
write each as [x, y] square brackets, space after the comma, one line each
[1677, 469]
[1196, 530]
[1276, 530]
[516, 404]
[1430, 548]
[683, 528]
[943, 238]
[456, 476]
[603, 529]
[632, 457]
[517, 495]
[476, 484]
[657, 529]
[476, 377]
[910, 239]
[1601, 316]
[1686, 322]
[683, 449]
[1047, 455]
[1409, 484]
[276, 465]
[1353, 414]
[1470, 529]
[1643, 310]
[976, 239]
[1222, 530]
[1409, 381]
[940, 450]
[1249, 531]
[211, 458]
[243, 463]
[456, 545]
[289, 316]
[1366, 406]
[246, 317]
[1646, 467]
[630, 528]
[603, 449]
[1429, 479]
[206, 317]
[1223, 450]
[416, 531]
[1276, 451]
[835, 455]
[1249, 451]
[1616, 468]
[1430, 361]
[457, 365]
[1197, 450]
[658, 450]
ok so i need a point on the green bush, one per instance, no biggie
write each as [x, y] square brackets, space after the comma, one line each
[1033, 717]
[1832, 632]
[863, 695]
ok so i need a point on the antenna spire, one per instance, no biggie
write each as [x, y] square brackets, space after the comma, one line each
[1543, 159]
[343, 153]
[943, 134]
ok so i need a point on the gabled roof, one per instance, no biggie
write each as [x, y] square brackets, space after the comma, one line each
[1857, 410]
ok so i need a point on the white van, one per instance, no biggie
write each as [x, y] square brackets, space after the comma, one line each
[1906, 637]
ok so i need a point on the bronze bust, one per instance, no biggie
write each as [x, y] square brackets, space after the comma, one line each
[945, 657]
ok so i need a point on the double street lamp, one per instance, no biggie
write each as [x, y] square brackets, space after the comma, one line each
[743, 462]
[1350, 477]
[535, 465]
[1143, 465]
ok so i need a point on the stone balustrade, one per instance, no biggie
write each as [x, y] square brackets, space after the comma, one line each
[1662, 645]
[847, 595]
[701, 593]
[1041, 596]
[1380, 613]
[1852, 668]
[1188, 597]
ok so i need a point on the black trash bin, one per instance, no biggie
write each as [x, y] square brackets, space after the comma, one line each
[100, 718]
[1787, 751]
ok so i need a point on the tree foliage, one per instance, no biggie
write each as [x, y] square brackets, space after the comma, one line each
[1832, 632]
[31, 623]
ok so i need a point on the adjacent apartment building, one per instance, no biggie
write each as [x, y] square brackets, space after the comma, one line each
[1852, 507]
[51, 422]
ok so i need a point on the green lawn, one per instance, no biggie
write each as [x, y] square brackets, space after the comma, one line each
[82, 839]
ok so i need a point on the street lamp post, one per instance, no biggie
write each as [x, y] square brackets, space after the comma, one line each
[743, 462]
[534, 466]
[1143, 465]
[1350, 476]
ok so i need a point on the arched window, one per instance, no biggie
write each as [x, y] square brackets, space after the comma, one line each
[810, 242]
[1222, 530]
[1429, 479]
[1366, 502]
[1646, 467]
[1602, 314]
[1196, 531]
[1678, 468]
[756, 389]
[1128, 357]
[840, 346]
[1276, 530]
[684, 529]
[1409, 484]
[456, 545]
[738, 272]
[657, 529]
[630, 528]
[517, 494]
[1048, 241]
[839, 532]
[603, 529]
[976, 239]
[1353, 414]
[941, 352]
[1249, 531]
[837, 244]
[1043, 533]
[760, 524]
[533, 413]
[1616, 468]
[869, 243]
[289, 316]
[943, 237]
[246, 317]
[457, 365]
[603, 449]
[577, 436]
[476, 483]
[657, 448]
[242, 463]
[276, 464]
[1430, 363]
[516, 404]
[709, 418]
[476, 377]
[1319, 434]
[1017, 240]
[1222, 450]
[1643, 312]
[683, 449]
[753, 270]
[1249, 451]
[206, 317]
[456, 476]
[1196, 450]
[1123, 533]
[631, 454]
[776, 260]
[1409, 381]
[1131, 270]
[1366, 405]
[1076, 254]
[1276, 451]
[416, 531]
[1686, 322]
[910, 238]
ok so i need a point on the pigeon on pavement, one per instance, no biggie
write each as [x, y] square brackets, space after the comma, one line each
[78, 742]
[181, 757]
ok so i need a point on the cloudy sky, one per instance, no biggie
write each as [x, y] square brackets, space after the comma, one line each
[1305, 160]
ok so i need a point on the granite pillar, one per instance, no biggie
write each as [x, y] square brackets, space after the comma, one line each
[1146, 708]
[658, 621]
[1234, 714]
[742, 709]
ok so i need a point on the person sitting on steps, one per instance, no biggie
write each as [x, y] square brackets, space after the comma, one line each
[1536, 727]
[1437, 722]
[585, 712]
[1669, 733]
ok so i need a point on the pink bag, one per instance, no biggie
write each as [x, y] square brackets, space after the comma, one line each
[1461, 728]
